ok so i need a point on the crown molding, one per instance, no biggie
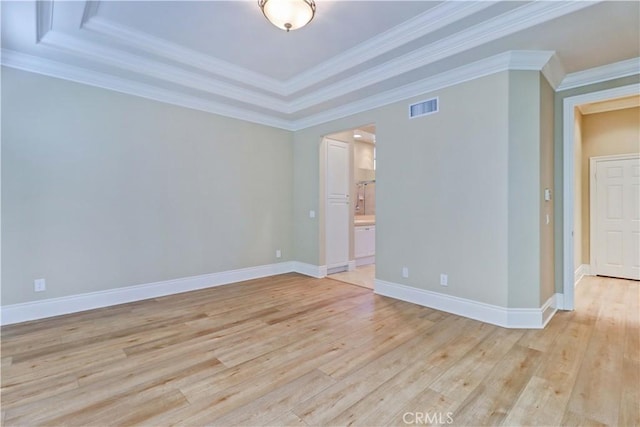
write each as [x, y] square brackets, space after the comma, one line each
[126, 61]
[629, 67]
[174, 52]
[51, 68]
[44, 18]
[493, 29]
[515, 20]
[529, 60]
[423, 24]
[90, 10]
[554, 71]
[513, 60]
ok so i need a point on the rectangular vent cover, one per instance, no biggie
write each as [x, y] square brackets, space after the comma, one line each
[423, 108]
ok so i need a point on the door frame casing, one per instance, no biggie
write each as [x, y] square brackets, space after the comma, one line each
[593, 162]
[568, 185]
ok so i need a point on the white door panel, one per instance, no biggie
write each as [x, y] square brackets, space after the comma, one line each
[337, 234]
[616, 217]
[337, 204]
[338, 168]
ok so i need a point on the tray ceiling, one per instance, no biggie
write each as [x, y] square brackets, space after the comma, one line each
[224, 57]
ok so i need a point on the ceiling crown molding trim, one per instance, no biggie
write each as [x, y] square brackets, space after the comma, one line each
[523, 60]
[529, 59]
[554, 71]
[617, 70]
[158, 70]
[515, 20]
[174, 52]
[513, 60]
[500, 26]
[90, 10]
[55, 69]
[44, 18]
[423, 24]
[493, 29]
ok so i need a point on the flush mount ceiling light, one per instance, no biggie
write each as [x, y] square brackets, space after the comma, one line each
[288, 14]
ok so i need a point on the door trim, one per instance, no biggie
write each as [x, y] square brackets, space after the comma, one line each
[568, 185]
[593, 163]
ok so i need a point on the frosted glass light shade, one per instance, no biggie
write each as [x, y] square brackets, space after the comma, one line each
[288, 14]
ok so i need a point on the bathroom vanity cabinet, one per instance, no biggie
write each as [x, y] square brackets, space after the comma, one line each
[365, 243]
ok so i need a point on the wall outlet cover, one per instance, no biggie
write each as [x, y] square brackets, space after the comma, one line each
[444, 280]
[39, 285]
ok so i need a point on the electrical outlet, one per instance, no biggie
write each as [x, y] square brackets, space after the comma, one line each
[405, 272]
[444, 280]
[278, 253]
[39, 285]
[312, 214]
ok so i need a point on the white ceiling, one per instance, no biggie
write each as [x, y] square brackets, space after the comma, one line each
[224, 57]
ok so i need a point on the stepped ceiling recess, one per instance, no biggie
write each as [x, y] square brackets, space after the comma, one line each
[226, 58]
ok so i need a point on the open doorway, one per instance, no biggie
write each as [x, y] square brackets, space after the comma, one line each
[605, 130]
[360, 240]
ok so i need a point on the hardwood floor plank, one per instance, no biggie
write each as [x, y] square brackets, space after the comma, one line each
[541, 403]
[380, 404]
[568, 352]
[22, 392]
[293, 350]
[490, 402]
[630, 400]
[289, 420]
[597, 391]
[461, 379]
[116, 390]
[571, 419]
[632, 325]
[321, 409]
[277, 403]
[428, 404]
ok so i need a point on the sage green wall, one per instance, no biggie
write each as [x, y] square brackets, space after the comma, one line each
[103, 190]
[441, 190]
[559, 159]
[524, 188]
[547, 250]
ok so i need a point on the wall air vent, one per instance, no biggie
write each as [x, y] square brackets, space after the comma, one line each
[423, 108]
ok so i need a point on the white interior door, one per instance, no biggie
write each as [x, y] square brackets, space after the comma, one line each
[337, 170]
[615, 217]
[337, 204]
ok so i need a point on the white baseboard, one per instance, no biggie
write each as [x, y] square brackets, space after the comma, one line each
[581, 271]
[317, 271]
[559, 301]
[34, 310]
[549, 309]
[352, 265]
[365, 260]
[530, 318]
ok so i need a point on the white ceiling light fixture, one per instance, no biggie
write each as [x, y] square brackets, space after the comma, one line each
[288, 14]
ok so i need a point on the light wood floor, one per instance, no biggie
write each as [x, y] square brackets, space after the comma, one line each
[361, 276]
[290, 350]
